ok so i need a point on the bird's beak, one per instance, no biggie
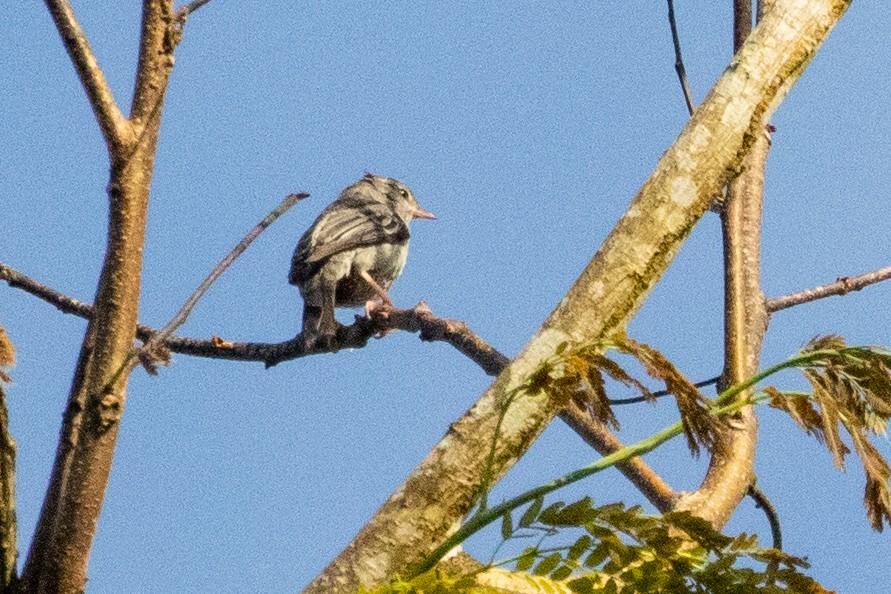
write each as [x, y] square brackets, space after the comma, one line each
[420, 213]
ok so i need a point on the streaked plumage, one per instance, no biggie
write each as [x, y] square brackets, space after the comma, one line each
[364, 231]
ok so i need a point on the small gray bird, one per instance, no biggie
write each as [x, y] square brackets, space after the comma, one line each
[354, 251]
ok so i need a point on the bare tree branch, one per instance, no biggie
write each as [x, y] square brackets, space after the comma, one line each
[146, 353]
[731, 466]
[114, 127]
[8, 523]
[742, 22]
[59, 553]
[842, 286]
[763, 503]
[184, 11]
[62, 302]
[419, 319]
[679, 60]
[161, 32]
[659, 393]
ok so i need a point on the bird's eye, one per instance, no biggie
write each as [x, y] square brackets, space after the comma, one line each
[403, 192]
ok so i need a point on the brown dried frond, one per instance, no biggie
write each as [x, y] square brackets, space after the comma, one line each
[800, 408]
[7, 354]
[825, 342]
[615, 371]
[877, 495]
[852, 388]
[595, 399]
[578, 379]
[700, 427]
[829, 415]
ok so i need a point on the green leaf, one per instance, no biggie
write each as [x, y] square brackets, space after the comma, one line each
[561, 573]
[550, 512]
[527, 559]
[548, 564]
[582, 585]
[531, 514]
[576, 514]
[597, 556]
[579, 547]
[507, 528]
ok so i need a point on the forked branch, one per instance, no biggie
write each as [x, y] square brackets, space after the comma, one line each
[111, 122]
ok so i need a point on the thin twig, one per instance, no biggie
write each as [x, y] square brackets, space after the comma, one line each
[111, 121]
[62, 302]
[762, 502]
[679, 60]
[842, 286]
[638, 399]
[180, 318]
[184, 11]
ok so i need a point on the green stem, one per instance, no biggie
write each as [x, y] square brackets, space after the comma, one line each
[800, 360]
[725, 403]
[482, 519]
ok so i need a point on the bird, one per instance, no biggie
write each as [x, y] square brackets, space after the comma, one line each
[353, 252]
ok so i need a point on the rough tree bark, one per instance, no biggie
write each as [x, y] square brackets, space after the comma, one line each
[731, 467]
[57, 561]
[706, 156]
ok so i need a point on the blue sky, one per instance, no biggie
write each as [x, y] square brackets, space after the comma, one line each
[526, 127]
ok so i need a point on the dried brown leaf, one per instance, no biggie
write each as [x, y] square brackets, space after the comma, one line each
[7, 350]
[852, 388]
[877, 501]
[595, 399]
[615, 371]
[829, 413]
[876, 381]
[827, 342]
[877, 495]
[801, 409]
[700, 427]
[7, 355]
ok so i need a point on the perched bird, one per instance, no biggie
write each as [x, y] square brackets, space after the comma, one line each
[354, 250]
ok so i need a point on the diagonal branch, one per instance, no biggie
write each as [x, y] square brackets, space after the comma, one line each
[115, 128]
[147, 355]
[842, 286]
[679, 60]
[161, 32]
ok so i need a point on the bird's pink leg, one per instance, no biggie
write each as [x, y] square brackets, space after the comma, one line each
[371, 306]
[381, 293]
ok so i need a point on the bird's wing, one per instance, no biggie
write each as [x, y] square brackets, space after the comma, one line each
[345, 225]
